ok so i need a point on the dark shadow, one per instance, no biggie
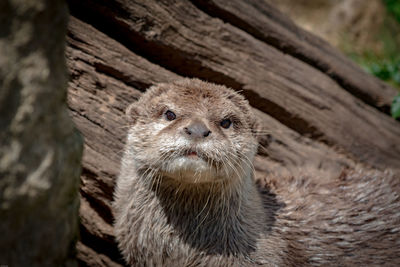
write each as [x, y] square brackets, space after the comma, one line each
[100, 245]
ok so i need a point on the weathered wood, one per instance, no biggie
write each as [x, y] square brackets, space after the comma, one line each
[97, 100]
[117, 49]
[266, 23]
[183, 39]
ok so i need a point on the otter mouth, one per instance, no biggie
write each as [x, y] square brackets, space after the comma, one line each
[195, 154]
[192, 154]
[193, 165]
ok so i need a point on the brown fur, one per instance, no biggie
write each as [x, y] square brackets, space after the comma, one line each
[170, 212]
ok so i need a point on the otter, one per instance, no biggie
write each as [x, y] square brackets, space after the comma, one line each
[186, 193]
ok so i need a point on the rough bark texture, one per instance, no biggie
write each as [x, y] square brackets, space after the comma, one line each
[40, 150]
[321, 111]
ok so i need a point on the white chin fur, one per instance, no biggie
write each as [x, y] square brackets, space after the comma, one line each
[190, 169]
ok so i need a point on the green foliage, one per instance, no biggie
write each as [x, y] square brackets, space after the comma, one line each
[394, 7]
[387, 70]
[395, 109]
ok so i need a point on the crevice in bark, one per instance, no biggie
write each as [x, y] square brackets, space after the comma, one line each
[112, 72]
[290, 120]
[103, 210]
[102, 246]
[106, 69]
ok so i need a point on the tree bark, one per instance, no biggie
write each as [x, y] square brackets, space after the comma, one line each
[320, 109]
[40, 150]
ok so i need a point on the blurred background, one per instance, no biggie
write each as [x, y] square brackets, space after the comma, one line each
[366, 31]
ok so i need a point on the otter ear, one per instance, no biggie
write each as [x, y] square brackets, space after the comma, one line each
[132, 113]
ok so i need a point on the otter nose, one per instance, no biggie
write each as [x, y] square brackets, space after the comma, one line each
[197, 129]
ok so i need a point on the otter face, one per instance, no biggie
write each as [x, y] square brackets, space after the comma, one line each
[192, 131]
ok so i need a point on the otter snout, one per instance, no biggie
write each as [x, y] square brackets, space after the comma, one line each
[196, 130]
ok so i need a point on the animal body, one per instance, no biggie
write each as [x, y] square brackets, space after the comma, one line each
[186, 194]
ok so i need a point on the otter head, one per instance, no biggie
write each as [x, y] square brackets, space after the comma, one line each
[193, 132]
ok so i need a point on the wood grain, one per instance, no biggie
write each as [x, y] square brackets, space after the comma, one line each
[317, 108]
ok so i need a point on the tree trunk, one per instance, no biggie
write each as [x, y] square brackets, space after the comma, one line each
[322, 111]
[40, 150]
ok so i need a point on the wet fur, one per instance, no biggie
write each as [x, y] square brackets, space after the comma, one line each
[165, 216]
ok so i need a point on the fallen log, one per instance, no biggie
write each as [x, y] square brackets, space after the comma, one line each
[320, 110]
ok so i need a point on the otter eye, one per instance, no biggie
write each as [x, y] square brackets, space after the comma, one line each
[226, 123]
[170, 115]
